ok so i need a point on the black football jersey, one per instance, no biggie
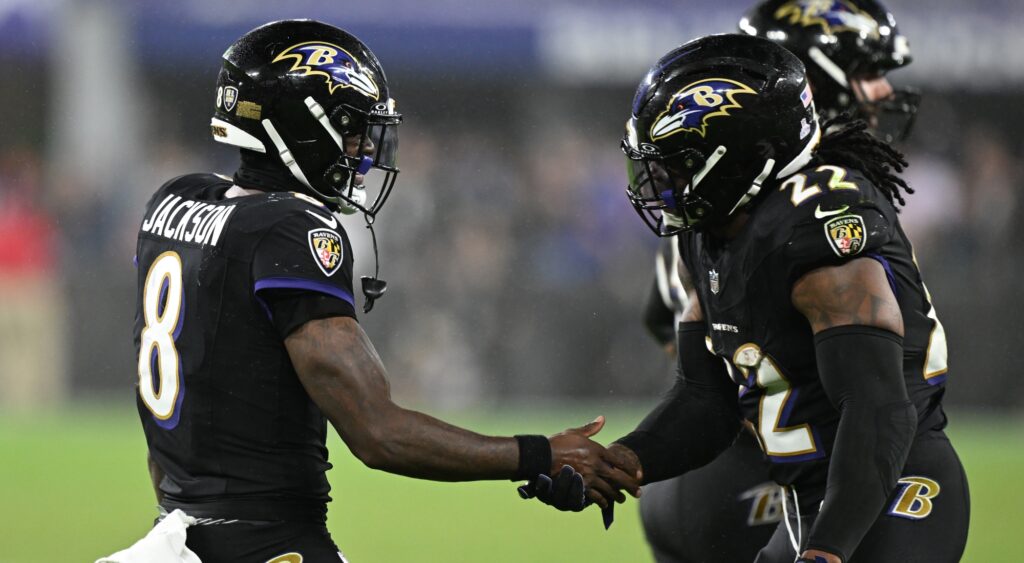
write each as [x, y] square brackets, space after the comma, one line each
[823, 216]
[224, 413]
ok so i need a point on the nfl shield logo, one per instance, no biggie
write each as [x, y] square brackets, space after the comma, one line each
[846, 235]
[715, 286]
[325, 245]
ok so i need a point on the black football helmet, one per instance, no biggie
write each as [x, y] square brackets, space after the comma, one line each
[315, 97]
[840, 41]
[713, 121]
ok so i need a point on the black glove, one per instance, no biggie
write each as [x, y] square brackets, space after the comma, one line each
[566, 492]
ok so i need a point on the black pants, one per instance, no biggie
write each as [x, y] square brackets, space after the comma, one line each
[724, 511]
[263, 542]
[924, 520]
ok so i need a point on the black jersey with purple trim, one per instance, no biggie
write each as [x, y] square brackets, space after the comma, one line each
[823, 216]
[224, 413]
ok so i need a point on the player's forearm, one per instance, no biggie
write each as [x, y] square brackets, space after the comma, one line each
[686, 431]
[696, 421]
[418, 445]
[861, 370]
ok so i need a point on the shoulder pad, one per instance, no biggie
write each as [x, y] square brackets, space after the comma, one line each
[827, 214]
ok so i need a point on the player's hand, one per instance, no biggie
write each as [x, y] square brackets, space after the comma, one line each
[603, 480]
[565, 491]
[625, 459]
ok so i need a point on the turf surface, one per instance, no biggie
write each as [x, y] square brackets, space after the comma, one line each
[73, 487]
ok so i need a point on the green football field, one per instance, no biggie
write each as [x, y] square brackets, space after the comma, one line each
[73, 487]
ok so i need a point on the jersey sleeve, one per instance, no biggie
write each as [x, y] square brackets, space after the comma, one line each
[838, 226]
[302, 270]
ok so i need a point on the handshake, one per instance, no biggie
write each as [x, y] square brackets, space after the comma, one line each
[584, 472]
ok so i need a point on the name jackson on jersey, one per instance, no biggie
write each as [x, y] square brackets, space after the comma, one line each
[187, 220]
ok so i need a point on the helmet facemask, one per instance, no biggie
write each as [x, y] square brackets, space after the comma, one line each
[362, 177]
[663, 190]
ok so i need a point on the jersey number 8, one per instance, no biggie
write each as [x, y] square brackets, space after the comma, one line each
[162, 303]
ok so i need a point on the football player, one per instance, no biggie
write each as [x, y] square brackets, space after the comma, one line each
[807, 315]
[246, 327]
[847, 49]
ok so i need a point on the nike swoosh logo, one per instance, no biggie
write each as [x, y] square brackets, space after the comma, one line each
[332, 222]
[819, 214]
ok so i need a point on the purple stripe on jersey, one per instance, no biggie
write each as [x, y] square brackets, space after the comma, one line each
[797, 458]
[787, 409]
[302, 283]
[135, 260]
[888, 272]
[936, 379]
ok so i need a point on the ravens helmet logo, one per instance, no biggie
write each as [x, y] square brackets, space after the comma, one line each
[690, 109]
[337, 65]
[832, 15]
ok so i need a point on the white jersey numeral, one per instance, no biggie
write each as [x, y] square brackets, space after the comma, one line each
[162, 300]
[778, 440]
[802, 192]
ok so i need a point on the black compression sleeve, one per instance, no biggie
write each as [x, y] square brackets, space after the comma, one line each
[698, 418]
[861, 369]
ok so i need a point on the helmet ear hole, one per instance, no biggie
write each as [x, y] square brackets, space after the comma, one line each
[342, 118]
[336, 176]
[692, 160]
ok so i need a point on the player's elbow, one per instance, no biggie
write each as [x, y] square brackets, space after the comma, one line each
[373, 456]
[379, 446]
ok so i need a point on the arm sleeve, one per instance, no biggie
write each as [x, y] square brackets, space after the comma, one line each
[861, 371]
[302, 271]
[698, 418]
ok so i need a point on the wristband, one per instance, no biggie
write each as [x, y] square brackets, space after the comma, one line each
[534, 457]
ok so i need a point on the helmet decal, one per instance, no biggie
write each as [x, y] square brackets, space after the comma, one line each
[690, 109]
[337, 65]
[833, 16]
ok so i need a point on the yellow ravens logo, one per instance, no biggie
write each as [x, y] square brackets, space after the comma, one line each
[690, 109]
[336, 65]
[915, 500]
[766, 504]
[325, 245]
[833, 16]
[846, 234]
[292, 557]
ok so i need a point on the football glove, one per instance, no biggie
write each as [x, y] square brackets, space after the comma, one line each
[566, 492]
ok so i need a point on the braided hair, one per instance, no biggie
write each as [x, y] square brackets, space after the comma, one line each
[848, 143]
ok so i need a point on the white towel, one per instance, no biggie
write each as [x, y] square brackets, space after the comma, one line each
[165, 543]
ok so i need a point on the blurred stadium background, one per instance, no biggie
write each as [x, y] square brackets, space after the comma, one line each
[517, 269]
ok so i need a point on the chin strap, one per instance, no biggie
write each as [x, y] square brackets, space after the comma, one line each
[284, 153]
[373, 287]
[755, 187]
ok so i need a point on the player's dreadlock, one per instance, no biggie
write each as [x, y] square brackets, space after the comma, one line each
[848, 143]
